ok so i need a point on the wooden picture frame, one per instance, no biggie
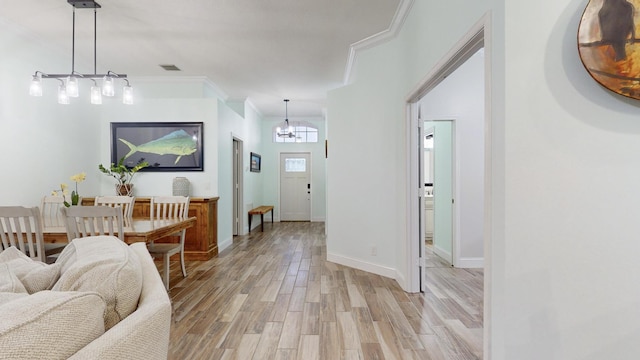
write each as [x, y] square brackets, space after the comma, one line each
[167, 146]
[256, 162]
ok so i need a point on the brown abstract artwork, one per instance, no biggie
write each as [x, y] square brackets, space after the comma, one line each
[608, 46]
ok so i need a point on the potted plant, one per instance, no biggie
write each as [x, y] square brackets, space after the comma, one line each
[123, 175]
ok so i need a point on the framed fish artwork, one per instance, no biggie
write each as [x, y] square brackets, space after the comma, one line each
[166, 146]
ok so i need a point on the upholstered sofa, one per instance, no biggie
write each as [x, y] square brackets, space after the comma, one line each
[102, 299]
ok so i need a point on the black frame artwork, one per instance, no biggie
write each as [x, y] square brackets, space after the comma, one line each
[166, 146]
[256, 162]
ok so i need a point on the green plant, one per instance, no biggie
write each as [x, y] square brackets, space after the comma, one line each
[121, 172]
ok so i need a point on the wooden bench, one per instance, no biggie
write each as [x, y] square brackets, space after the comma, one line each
[260, 210]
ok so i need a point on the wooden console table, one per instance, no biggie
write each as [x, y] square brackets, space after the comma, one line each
[201, 242]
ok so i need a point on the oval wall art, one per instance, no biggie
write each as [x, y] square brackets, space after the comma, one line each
[608, 46]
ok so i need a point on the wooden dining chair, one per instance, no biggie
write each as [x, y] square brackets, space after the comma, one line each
[125, 202]
[21, 227]
[169, 207]
[83, 221]
[50, 210]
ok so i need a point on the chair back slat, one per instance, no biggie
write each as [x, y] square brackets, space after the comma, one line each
[125, 202]
[50, 210]
[21, 227]
[169, 207]
[84, 221]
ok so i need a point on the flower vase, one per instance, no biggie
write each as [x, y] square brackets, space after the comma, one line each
[124, 189]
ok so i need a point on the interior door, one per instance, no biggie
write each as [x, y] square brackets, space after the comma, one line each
[295, 187]
[443, 185]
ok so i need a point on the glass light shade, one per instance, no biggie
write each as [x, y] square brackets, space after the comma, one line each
[63, 97]
[127, 95]
[107, 86]
[36, 86]
[72, 86]
[96, 95]
[278, 130]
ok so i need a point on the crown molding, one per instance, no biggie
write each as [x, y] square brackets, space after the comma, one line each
[391, 32]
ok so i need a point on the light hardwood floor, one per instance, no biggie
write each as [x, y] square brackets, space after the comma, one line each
[273, 295]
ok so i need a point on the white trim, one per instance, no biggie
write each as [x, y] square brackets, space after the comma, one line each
[224, 244]
[318, 219]
[391, 32]
[362, 265]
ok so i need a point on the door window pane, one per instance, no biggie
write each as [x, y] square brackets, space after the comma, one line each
[295, 165]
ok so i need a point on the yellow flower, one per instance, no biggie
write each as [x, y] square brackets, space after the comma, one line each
[63, 187]
[80, 177]
[54, 193]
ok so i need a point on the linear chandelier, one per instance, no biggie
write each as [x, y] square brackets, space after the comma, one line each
[69, 82]
[286, 131]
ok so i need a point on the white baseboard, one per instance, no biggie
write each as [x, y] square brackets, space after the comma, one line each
[362, 265]
[224, 244]
[470, 263]
[401, 280]
[318, 219]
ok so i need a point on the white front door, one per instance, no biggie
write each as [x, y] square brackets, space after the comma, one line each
[295, 187]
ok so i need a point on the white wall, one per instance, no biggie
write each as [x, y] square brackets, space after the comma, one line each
[568, 280]
[42, 143]
[461, 97]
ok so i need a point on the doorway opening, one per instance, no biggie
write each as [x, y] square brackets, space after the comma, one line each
[237, 191]
[476, 39]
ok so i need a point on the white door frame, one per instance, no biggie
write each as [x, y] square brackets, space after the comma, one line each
[478, 36]
[239, 211]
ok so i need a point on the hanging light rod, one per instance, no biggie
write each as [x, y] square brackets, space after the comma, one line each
[69, 87]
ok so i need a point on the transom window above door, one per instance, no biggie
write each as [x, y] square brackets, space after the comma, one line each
[304, 133]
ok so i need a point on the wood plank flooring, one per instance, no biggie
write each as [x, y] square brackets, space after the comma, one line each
[273, 295]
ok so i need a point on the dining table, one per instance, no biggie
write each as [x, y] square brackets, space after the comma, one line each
[135, 230]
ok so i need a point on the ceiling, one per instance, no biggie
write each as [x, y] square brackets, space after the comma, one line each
[261, 50]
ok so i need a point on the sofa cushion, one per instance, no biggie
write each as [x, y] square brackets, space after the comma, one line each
[9, 282]
[50, 324]
[106, 265]
[34, 275]
[5, 297]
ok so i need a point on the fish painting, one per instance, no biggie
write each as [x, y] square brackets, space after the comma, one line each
[176, 143]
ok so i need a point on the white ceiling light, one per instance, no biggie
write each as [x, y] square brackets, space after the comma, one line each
[71, 87]
[285, 131]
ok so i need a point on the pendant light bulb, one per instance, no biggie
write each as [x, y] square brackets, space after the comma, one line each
[127, 94]
[36, 86]
[96, 95]
[107, 86]
[72, 86]
[63, 97]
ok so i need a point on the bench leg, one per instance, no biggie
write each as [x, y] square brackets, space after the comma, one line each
[262, 222]
[250, 222]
